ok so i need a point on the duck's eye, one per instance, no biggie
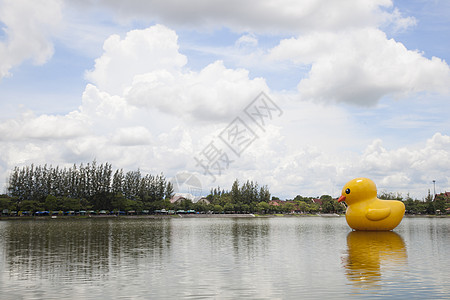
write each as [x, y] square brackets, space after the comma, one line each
[347, 191]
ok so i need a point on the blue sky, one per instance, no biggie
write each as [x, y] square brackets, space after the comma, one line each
[363, 86]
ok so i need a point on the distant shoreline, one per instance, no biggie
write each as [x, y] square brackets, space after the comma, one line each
[174, 216]
[191, 216]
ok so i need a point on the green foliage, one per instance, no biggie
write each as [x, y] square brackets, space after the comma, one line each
[390, 196]
[29, 205]
[90, 186]
[185, 205]
[307, 200]
[263, 207]
[217, 208]
[169, 190]
[241, 199]
[5, 203]
[439, 205]
[51, 203]
[415, 206]
[97, 186]
[245, 208]
[330, 205]
[235, 192]
[228, 207]
[121, 203]
[430, 208]
[288, 207]
[314, 208]
[201, 207]
[71, 204]
[303, 206]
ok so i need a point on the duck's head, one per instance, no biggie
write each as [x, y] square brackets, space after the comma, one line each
[358, 189]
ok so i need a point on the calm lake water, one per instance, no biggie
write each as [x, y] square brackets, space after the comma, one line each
[223, 258]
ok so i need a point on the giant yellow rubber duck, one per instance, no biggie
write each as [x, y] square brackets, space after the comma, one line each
[365, 211]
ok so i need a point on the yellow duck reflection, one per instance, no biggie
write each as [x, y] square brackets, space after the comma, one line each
[369, 251]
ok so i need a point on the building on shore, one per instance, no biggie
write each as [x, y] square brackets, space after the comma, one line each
[179, 197]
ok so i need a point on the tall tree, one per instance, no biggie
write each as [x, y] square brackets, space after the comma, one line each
[169, 190]
[235, 192]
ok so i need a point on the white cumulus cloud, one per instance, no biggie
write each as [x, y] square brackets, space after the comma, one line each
[141, 51]
[132, 136]
[28, 28]
[409, 168]
[43, 127]
[148, 70]
[361, 66]
[214, 93]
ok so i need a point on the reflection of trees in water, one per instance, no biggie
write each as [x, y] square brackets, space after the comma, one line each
[250, 237]
[82, 249]
[370, 252]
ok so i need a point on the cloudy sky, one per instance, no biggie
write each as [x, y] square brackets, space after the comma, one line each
[350, 88]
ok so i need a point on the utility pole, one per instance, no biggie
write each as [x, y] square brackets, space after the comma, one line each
[434, 195]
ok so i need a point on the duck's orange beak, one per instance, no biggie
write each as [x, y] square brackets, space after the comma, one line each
[341, 198]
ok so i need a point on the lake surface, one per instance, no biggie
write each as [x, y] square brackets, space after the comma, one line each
[223, 258]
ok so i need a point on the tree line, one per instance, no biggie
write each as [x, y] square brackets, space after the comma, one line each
[90, 186]
[95, 186]
[245, 198]
[428, 206]
[250, 197]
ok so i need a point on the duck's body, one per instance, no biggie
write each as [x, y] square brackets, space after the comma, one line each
[375, 214]
[365, 211]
